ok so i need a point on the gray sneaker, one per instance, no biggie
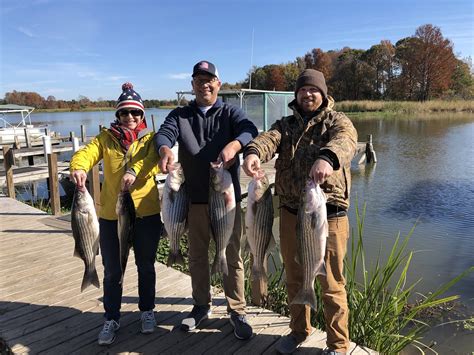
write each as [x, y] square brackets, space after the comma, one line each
[148, 322]
[107, 334]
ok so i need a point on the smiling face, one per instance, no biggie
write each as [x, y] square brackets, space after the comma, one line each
[309, 98]
[130, 118]
[206, 88]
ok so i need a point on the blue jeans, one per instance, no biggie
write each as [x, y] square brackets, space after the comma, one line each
[145, 244]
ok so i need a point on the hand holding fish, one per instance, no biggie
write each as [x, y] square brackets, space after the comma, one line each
[167, 159]
[320, 171]
[79, 177]
[127, 181]
[251, 165]
[227, 155]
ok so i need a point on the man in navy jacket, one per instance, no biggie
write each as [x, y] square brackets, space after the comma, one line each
[208, 130]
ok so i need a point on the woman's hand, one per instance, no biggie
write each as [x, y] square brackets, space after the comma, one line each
[79, 177]
[127, 181]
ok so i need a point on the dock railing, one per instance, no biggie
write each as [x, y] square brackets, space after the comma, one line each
[364, 149]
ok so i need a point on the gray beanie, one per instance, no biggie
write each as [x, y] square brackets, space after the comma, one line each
[314, 78]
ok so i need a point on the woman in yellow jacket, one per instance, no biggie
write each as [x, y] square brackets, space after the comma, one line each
[127, 142]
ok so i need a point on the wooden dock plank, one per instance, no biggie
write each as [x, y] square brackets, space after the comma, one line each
[43, 311]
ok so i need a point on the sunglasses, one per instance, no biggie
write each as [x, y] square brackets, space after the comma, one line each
[133, 112]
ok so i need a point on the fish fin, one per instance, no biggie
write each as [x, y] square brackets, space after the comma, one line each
[271, 245]
[306, 297]
[298, 259]
[321, 270]
[175, 259]
[90, 278]
[219, 265]
[258, 272]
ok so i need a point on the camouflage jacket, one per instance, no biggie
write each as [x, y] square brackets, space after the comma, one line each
[298, 146]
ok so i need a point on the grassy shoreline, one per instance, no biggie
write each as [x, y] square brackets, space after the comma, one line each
[406, 107]
[363, 106]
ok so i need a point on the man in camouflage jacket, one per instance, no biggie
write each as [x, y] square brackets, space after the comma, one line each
[319, 143]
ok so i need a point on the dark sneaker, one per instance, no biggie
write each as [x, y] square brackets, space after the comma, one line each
[331, 352]
[287, 344]
[195, 317]
[242, 330]
[107, 334]
[148, 322]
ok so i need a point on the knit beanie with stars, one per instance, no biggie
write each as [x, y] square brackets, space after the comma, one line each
[129, 99]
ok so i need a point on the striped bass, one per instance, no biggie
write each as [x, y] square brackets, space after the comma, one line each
[221, 213]
[125, 210]
[311, 235]
[174, 210]
[85, 230]
[259, 222]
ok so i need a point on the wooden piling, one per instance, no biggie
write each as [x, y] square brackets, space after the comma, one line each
[94, 185]
[153, 122]
[83, 133]
[369, 150]
[8, 164]
[54, 184]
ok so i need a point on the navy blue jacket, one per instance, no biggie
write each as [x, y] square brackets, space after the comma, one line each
[201, 138]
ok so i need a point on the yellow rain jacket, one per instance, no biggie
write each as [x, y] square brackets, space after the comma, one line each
[107, 148]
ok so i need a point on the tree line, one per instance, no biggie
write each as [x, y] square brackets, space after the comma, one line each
[36, 100]
[417, 68]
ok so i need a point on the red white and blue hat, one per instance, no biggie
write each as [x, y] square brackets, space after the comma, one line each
[205, 67]
[129, 99]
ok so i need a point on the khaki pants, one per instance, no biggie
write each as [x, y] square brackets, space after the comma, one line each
[199, 239]
[336, 311]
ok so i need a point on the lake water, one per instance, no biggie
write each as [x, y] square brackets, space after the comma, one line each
[424, 176]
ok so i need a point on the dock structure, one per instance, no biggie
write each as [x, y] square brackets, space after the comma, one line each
[43, 311]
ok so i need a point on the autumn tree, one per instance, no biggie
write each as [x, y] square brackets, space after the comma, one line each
[381, 58]
[426, 63]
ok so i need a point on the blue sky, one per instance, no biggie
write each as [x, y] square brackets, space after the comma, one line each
[68, 48]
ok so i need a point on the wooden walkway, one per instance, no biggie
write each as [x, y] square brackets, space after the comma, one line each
[43, 311]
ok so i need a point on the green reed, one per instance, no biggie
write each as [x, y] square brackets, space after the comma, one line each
[386, 313]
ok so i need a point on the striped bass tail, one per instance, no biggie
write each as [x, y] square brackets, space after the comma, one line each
[220, 264]
[306, 296]
[175, 258]
[90, 278]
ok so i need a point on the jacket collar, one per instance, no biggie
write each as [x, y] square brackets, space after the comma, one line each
[218, 103]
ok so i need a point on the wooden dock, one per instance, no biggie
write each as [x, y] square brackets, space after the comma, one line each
[43, 311]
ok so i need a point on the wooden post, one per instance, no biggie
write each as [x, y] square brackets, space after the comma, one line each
[71, 136]
[31, 161]
[8, 164]
[52, 159]
[153, 122]
[17, 144]
[94, 185]
[83, 133]
[27, 138]
[369, 150]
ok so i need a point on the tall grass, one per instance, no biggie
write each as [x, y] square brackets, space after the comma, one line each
[406, 107]
[383, 314]
[386, 313]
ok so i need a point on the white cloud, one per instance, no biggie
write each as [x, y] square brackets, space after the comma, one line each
[26, 31]
[179, 76]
